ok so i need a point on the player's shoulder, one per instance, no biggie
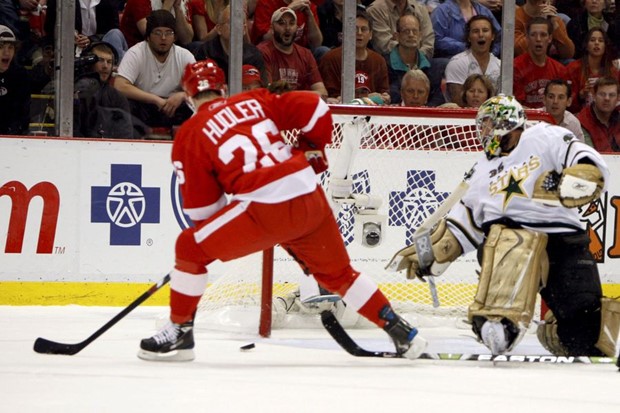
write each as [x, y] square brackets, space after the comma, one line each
[546, 134]
[549, 130]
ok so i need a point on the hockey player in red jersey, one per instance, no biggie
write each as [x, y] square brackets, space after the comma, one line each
[246, 190]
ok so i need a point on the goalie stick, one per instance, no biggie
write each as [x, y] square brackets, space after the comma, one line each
[338, 333]
[421, 237]
[44, 346]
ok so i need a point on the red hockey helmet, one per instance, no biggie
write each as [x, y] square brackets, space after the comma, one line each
[203, 75]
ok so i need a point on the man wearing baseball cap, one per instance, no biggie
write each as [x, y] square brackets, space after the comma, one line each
[14, 88]
[286, 60]
[308, 33]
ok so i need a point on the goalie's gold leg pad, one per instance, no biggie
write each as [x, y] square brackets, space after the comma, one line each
[514, 261]
[608, 340]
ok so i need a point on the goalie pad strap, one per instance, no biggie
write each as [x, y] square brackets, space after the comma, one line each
[513, 263]
[610, 327]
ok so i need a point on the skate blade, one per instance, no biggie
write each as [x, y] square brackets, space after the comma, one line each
[418, 345]
[175, 355]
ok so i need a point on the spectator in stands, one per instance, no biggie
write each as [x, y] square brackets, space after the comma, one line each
[477, 88]
[557, 99]
[100, 110]
[367, 61]
[17, 15]
[449, 21]
[384, 15]
[406, 56]
[133, 21]
[308, 33]
[94, 22]
[150, 74]
[534, 69]
[415, 88]
[330, 21]
[597, 62]
[218, 48]
[592, 17]
[561, 47]
[251, 78]
[477, 58]
[14, 88]
[363, 89]
[600, 120]
[285, 59]
[205, 15]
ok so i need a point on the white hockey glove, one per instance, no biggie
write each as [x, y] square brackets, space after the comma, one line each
[446, 249]
[578, 185]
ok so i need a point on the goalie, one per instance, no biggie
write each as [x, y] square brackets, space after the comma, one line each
[520, 214]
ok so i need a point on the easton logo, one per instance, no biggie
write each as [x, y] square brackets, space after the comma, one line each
[20, 202]
[125, 204]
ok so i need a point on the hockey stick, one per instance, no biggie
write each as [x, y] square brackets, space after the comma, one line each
[44, 346]
[338, 333]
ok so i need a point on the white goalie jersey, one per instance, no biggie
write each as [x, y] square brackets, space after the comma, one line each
[503, 187]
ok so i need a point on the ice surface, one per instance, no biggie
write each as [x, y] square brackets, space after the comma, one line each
[293, 371]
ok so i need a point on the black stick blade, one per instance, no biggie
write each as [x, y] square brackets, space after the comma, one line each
[338, 333]
[44, 346]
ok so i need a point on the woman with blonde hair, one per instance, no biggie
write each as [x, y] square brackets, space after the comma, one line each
[477, 88]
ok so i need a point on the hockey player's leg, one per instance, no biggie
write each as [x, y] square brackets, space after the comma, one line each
[512, 265]
[188, 281]
[321, 252]
[573, 293]
[361, 293]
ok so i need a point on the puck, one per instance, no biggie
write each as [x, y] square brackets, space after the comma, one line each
[247, 347]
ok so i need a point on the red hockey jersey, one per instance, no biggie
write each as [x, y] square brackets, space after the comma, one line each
[233, 146]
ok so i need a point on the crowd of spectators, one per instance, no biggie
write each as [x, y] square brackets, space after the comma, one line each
[130, 55]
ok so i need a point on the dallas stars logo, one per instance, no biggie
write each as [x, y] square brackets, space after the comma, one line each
[512, 188]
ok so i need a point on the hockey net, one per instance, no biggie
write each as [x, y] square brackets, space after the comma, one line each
[409, 159]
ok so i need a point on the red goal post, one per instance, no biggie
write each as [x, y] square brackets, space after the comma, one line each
[410, 159]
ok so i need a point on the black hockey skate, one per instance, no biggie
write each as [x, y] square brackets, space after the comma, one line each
[174, 342]
[406, 339]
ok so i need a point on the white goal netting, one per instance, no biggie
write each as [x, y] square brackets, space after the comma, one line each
[408, 158]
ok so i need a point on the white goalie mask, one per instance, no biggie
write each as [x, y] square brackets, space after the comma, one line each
[497, 117]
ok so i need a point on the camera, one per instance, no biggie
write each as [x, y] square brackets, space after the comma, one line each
[369, 229]
[83, 64]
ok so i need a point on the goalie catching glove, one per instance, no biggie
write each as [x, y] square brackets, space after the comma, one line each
[314, 154]
[578, 185]
[446, 249]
